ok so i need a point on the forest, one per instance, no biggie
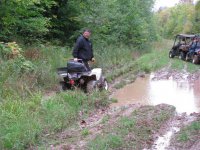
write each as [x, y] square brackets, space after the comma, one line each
[132, 22]
[37, 36]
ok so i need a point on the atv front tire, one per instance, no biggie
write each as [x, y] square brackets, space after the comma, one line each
[104, 85]
[91, 86]
[64, 86]
[171, 54]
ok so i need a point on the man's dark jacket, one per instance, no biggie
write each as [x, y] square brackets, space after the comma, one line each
[83, 49]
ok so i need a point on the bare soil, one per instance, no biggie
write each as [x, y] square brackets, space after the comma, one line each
[103, 121]
[94, 124]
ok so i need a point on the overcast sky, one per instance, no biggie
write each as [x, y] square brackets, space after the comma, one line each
[165, 3]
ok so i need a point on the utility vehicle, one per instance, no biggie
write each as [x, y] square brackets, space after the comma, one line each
[181, 45]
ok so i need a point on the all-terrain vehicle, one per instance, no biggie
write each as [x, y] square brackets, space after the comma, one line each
[181, 45]
[76, 74]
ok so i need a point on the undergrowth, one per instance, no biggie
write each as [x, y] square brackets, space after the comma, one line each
[25, 122]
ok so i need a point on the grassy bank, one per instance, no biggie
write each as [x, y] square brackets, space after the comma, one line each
[16, 80]
[24, 123]
[155, 58]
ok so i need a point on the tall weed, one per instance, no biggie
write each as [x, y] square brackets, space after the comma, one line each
[23, 123]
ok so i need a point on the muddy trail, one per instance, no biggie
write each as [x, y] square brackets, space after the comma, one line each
[165, 102]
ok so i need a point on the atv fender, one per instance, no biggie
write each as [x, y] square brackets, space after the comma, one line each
[97, 72]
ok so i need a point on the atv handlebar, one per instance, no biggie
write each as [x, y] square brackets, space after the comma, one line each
[77, 59]
[81, 60]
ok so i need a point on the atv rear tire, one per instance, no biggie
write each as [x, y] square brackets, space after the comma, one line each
[195, 59]
[63, 86]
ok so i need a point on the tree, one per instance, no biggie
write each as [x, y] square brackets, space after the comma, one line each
[197, 18]
[129, 21]
[176, 20]
[23, 19]
[64, 19]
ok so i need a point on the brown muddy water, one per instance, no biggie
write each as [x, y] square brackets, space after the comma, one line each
[182, 94]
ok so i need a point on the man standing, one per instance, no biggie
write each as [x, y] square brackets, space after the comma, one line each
[83, 48]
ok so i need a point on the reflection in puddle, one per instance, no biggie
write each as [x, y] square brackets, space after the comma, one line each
[183, 95]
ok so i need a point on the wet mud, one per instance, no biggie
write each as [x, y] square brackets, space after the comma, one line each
[179, 89]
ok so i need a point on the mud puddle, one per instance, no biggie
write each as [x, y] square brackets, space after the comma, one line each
[180, 92]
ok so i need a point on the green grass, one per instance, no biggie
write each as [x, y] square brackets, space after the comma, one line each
[19, 125]
[25, 122]
[155, 58]
[109, 141]
[85, 132]
[105, 119]
[190, 132]
[192, 67]
[43, 77]
[113, 56]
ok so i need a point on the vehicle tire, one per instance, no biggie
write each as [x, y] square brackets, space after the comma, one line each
[104, 85]
[64, 86]
[91, 86]
[171, 54]
[195, 59]
[182, 56]
[187, 57]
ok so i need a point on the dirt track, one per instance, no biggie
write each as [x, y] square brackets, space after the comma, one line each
[96, 125]
[100, 120]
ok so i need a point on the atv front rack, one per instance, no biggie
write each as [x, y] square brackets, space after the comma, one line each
[62, 70]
